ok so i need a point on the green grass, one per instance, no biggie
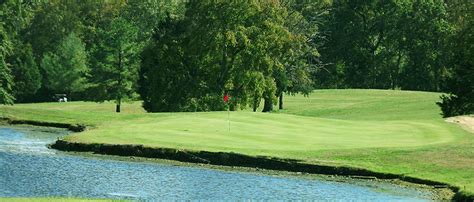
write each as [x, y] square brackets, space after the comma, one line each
[366, 105]
[399, 132]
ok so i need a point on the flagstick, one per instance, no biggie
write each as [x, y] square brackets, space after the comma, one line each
[226, 101]
[228, 116]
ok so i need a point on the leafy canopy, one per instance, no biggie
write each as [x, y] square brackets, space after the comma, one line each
[66, 68]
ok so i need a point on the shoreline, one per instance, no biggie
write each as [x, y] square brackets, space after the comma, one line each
[71, 127]
[230, 159]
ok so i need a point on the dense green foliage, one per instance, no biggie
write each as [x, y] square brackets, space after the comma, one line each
[66, 69]
[387, 131]
[116, 74]
[71, 47]
[5, 74]
[220, 48]
[7, 15]
[460, 86]
[26, 74]
[185, 55]
[385, 44]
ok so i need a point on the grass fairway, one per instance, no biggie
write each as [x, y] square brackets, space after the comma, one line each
[398, 132]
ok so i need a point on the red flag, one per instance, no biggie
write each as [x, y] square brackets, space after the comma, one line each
[226, 98]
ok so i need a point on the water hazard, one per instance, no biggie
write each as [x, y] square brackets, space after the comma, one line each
[29, 169]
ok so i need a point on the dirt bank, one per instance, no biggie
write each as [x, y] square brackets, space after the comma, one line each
[234, 159]
[71, 127]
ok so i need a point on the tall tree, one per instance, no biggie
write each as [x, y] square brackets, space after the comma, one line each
[66, 69]
[302, 59]
[425, 30]
[387, 44]
[26, 74]
[166, 79]
[362, 29]
[459, 99]
[52, 22]
[116, 74]
[14, 16]
[147, 15]
[220, 48]
[6, 79]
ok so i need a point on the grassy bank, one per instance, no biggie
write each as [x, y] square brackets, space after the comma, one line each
[399, 132]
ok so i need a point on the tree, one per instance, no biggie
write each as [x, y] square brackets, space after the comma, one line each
[13, 17]
[459, 99]
[26, 75]
[222, 32]
[66, 69]
[387, 44]
[147, 15]
[166, 78]
[116, 74]
[363, 29]
[256, 86]
[246, 41]
[269, 94]
[6, 80]
[302, 59]
[53, 21]
[218, 48]
[425, 30]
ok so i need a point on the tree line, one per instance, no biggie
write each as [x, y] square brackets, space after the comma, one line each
[178, 55]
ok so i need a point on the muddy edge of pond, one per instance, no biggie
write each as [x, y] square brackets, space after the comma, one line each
[71, 127]
[229, 159]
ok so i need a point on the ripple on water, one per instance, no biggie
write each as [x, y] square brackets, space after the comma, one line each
[29, 169]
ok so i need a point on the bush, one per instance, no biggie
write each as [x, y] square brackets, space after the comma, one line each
[452, 105]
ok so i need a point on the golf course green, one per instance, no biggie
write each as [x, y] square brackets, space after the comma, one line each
[397, 132]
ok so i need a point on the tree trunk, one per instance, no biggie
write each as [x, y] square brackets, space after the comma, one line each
[268, 105]
[117, 107]
[256, 102]
[280, 103]
[254, 106]
[119, 96]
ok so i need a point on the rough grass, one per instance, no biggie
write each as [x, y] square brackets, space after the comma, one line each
[399, 132]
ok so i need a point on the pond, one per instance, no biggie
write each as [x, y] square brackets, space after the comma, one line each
[29, 169]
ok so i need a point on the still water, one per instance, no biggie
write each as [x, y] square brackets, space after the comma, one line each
[29, 169]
